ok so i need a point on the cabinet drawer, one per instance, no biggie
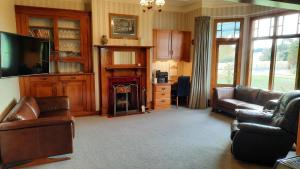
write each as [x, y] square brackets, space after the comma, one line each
[161, 95]
[43, 78]
[72, 78]
[162, 88]
[162, 101]
[158, 107]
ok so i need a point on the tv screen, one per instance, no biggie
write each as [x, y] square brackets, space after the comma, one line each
[22, 55]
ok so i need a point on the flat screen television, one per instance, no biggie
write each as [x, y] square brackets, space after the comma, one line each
[23, 55]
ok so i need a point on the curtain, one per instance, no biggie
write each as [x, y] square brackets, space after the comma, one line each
[201, 64]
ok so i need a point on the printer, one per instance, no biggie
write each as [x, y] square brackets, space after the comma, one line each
[162, 77]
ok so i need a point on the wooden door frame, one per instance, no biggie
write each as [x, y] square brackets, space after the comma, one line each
[214, 59]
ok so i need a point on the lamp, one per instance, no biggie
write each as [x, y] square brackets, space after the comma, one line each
[150, 4]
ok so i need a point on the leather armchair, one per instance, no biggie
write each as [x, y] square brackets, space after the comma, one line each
[265, 136]
[36, 128]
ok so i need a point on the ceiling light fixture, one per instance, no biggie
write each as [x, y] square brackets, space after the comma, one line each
[151, 4]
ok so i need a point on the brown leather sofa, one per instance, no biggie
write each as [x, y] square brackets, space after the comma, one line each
[36, 128]
[227, 99]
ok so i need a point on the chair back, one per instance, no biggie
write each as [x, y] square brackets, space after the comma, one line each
[286, 114]
[183, 88]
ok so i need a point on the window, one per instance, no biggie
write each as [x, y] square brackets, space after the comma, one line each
[225, 67]
[261, 63]
[226, 63]
[228, 30]
[275, 47]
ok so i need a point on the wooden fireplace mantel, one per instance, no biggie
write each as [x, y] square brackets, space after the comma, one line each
[114, 67]
[108, 70]
[122, 47]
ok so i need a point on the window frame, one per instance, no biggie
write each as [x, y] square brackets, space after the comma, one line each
[274, 39]
[219, 41]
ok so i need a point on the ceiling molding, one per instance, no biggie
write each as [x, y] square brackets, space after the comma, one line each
[190, 7]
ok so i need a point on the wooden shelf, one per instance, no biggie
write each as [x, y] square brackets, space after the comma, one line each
[118, 46]
[69, 38]
[115, 67]
[41, 27]
[72, 59]
[65, 28]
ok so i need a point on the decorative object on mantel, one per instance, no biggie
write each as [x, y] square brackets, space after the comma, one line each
[123, 26]
[104, 40]
[150, 4]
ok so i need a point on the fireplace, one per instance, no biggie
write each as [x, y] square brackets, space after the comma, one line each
[124, 95]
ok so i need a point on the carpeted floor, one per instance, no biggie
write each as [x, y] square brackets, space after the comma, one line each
[169, 139]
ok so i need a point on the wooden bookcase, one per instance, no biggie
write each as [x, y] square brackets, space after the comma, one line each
[68, 32]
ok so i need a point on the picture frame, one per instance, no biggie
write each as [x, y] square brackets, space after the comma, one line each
[123, 26]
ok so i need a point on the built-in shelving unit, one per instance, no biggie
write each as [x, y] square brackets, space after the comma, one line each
[68, 32]
[70, 60]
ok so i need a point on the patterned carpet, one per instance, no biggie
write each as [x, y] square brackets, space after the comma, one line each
[170, 139]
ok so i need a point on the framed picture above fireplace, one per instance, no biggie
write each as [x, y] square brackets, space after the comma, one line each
[123, 26]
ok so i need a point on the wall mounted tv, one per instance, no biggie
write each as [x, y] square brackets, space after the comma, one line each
[23, 55]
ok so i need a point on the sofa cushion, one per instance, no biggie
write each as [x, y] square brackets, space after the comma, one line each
[230, 103]
[246, 94]
[264, 96]
[250, 106]
[20, 112]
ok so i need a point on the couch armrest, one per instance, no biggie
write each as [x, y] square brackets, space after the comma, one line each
[47, 104]
[271, 104]
[41, 122]
[224, 92]
[33, 139]
[253, 116]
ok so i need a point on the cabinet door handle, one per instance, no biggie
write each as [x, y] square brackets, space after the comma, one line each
[163, 88]
[163, 94]
[162, 101]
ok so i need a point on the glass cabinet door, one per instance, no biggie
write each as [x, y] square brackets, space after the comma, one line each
[40, 27]
[69, 38]
[70, 49]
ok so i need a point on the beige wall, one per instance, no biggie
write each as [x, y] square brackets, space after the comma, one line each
[9, 88]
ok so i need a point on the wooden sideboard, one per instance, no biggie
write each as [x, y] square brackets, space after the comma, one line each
[79, 87]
